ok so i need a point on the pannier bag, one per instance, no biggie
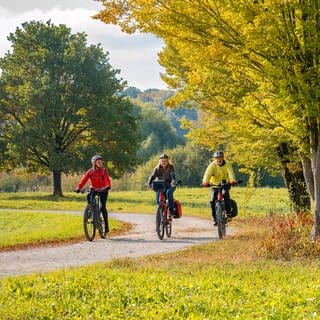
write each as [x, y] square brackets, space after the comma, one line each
[234, 208]
[158, 186]
[178, 209]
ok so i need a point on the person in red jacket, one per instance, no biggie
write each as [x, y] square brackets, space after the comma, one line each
[99, 182]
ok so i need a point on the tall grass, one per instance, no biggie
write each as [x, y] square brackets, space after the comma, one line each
[126, 289]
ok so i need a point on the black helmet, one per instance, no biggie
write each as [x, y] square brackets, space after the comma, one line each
[218, 154]
[163, 156]
[95, 158]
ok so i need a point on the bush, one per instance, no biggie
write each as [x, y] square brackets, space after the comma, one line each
[22, 181]
[290, 238]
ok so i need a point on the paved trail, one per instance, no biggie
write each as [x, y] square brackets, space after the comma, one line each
[141, 240]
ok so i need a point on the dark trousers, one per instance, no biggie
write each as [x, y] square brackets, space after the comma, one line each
[226, 196]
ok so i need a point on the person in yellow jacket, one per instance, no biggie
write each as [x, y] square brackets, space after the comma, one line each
[219, 170]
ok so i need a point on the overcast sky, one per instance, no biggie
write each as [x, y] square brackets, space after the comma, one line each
[135, 55]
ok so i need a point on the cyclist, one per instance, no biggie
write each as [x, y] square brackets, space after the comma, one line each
[219, 170]
[99, 182]
[165, 171]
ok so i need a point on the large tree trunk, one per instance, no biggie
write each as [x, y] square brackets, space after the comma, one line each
[311, 169]
[57, 189]
[315, 233]
[295, 182]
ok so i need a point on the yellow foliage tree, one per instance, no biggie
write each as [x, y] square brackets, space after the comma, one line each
[253, 68]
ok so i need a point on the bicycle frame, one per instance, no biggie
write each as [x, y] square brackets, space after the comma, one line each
[220, 213]
[92, 218]
[220, 210]
[162, 199]
[164, 204]
[163, 221]
[94, 198]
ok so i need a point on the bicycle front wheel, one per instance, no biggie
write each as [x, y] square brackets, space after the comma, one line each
[159, 223]
[221, 223]
[88, 223]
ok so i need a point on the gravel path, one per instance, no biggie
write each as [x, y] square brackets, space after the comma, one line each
[141, 240]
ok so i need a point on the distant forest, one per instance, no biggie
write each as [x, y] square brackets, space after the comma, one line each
[160, 131]
[160, 126]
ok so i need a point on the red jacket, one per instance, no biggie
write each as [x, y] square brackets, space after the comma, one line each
[99, 179]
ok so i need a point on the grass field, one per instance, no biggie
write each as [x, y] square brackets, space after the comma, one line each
[226, 279]
[37, 226]
[195, 201]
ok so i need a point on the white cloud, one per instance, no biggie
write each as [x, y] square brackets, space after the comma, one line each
[135, 55]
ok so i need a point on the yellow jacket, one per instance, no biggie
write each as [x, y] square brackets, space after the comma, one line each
[215, 174]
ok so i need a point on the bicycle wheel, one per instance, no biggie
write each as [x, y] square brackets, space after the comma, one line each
[159, 223]
[168, 225]
[169, 229]
[221, 223]
[100, 224]
[88, 223]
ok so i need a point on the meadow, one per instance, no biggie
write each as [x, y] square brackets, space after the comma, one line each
[228, 279]
[252, 201]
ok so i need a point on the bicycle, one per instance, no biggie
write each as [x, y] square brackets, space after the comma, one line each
[163, 218]
[92, 216]
[221, 215]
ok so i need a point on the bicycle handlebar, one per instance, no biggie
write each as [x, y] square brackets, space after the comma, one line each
[91, 190]
[79, 191]
[221, 184]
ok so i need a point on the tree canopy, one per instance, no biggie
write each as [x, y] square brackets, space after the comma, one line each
[59, 103]
[159, 127]
[253, 67]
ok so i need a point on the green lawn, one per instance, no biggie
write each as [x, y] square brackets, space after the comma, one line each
[21, 228]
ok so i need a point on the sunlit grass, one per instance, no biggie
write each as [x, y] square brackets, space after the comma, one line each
[195, 201]
[255, 290]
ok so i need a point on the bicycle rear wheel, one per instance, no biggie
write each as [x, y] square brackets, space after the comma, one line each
[169, 229]
[101, 224]
[88, 223]
[221, 222]
[168, 224]
[159, 223]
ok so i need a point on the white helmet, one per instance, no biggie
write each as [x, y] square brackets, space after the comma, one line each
[95, 158]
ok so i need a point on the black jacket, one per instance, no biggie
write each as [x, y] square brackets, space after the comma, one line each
[167, 174]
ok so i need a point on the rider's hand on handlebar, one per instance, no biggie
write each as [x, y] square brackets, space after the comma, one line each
[205, 184]
[173, 184]
[233, 183]
[77, 190]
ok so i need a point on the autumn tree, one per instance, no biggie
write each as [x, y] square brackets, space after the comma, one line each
[59, 103]
[253, 65]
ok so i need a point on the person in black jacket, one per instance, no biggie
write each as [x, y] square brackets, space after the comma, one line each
[165, 171]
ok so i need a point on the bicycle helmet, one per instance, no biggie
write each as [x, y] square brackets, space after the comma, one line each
[163, 156]
[218, 154]
[95, 158]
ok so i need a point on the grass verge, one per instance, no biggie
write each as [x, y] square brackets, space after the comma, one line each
[220, 280]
